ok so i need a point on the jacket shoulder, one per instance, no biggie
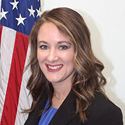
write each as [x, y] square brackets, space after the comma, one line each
[104, 112]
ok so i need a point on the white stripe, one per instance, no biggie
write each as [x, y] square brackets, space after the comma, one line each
[7, 46]
[25, 99]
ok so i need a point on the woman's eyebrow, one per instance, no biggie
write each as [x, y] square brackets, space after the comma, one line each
[60, 42]
[42, 42]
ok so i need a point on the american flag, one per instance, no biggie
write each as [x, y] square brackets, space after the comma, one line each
[16, 20]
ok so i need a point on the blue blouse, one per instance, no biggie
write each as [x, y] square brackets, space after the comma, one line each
[48, 115]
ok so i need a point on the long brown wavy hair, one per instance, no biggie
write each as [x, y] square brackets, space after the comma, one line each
[87, 77]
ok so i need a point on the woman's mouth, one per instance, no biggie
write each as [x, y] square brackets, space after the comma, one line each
[54, 68]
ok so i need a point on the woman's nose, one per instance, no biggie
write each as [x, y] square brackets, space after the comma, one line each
[52, 56]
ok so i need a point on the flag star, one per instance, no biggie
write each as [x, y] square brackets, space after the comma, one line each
[3, 14]
[14, 4]
[38, 12]
[20, 20]
[31, 11]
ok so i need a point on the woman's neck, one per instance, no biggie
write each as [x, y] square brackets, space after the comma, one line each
[61, 91]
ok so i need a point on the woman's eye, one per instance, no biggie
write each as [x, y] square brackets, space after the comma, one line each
[44, 47]
[63, 47]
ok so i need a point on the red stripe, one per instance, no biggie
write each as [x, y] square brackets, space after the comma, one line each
[1, 27]
[0, 33]
[15, 78]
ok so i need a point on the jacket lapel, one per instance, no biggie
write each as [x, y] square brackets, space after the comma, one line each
[34, 116]
[66, 113]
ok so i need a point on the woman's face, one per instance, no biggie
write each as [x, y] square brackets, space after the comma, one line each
[55, 54]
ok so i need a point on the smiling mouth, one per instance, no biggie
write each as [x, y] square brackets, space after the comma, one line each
[53, 68]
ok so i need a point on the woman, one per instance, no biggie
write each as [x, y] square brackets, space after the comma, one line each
[66, 82]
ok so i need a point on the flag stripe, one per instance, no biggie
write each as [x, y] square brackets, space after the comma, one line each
[0, 35]
[15, 78]
[7, 36]
[0, 47]
[24, 95]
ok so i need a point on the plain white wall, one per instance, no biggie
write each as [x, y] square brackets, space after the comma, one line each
[106, 21]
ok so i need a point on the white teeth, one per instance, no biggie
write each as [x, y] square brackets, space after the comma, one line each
[54, 67]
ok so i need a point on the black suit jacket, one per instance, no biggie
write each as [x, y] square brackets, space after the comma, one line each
[101, 112]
